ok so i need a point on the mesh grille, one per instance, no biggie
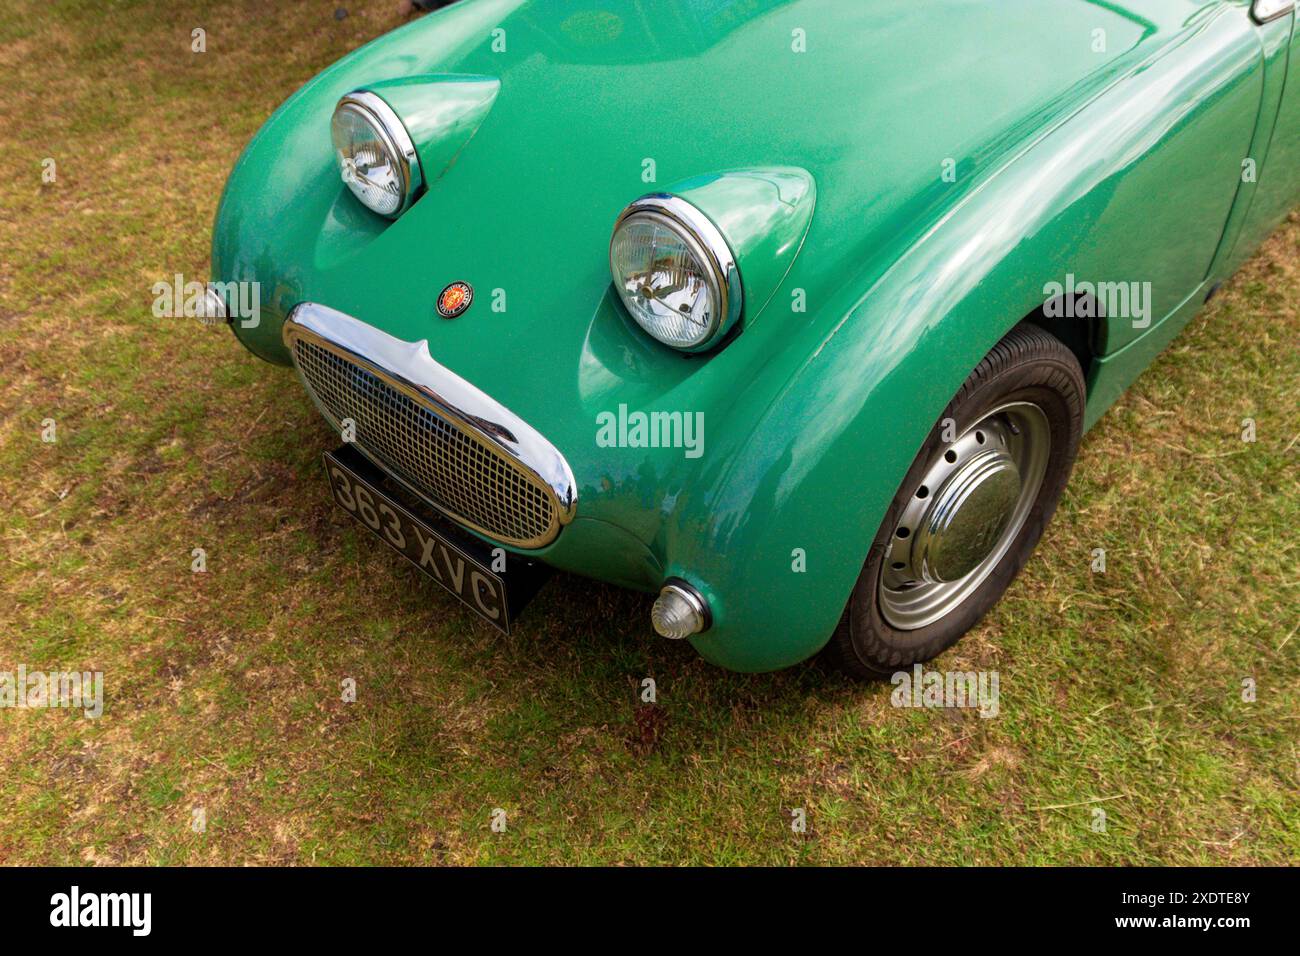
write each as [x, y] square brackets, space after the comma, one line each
[461, 476]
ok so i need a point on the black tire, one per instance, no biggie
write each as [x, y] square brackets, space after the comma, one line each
[1028, 365]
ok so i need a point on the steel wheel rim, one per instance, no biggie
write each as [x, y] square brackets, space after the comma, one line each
[961, 519]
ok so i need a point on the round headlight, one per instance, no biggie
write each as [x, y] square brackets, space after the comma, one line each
[674, 272]
[376, 156]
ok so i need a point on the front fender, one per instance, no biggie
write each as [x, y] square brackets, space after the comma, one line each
[774, 534]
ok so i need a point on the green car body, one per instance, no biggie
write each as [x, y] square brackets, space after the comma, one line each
[901, 184]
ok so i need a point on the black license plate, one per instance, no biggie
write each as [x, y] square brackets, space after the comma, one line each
[482, 591]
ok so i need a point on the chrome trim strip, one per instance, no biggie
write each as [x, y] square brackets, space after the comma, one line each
[390, 126]
[1266, 11]
[409, 367]
[717, 254]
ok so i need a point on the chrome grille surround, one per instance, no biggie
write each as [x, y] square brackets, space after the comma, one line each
[457, 448]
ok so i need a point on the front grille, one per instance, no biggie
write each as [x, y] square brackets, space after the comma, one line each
[455, 471]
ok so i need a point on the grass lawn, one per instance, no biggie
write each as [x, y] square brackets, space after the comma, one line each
[1120, 691]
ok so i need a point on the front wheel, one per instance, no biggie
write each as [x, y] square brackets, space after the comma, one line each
[971, 508]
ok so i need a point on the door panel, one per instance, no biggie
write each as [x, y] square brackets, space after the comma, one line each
[1166, 221]
[1278, 189]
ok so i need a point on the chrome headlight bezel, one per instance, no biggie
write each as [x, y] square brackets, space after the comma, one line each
[393, 138]
[706, 244]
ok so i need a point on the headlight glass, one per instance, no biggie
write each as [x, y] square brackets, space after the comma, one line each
[376, 157]
[674, 272]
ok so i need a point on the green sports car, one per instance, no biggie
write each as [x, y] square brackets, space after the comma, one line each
[789, 312]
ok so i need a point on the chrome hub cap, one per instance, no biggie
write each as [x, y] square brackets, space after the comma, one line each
[959, 523]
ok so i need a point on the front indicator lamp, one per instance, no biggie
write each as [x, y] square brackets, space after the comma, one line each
[679, 611]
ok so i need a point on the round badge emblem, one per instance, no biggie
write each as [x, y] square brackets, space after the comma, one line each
[455, 299]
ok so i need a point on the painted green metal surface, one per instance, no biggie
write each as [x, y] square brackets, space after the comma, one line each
[947, 162]
[441, 114]
[764, 214]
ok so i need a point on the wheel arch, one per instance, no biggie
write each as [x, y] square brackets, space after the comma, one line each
[777, 543]
[1080, 335]
[842, 421]
[811, 481]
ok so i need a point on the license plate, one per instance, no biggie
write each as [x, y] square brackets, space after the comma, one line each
[482, 591]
